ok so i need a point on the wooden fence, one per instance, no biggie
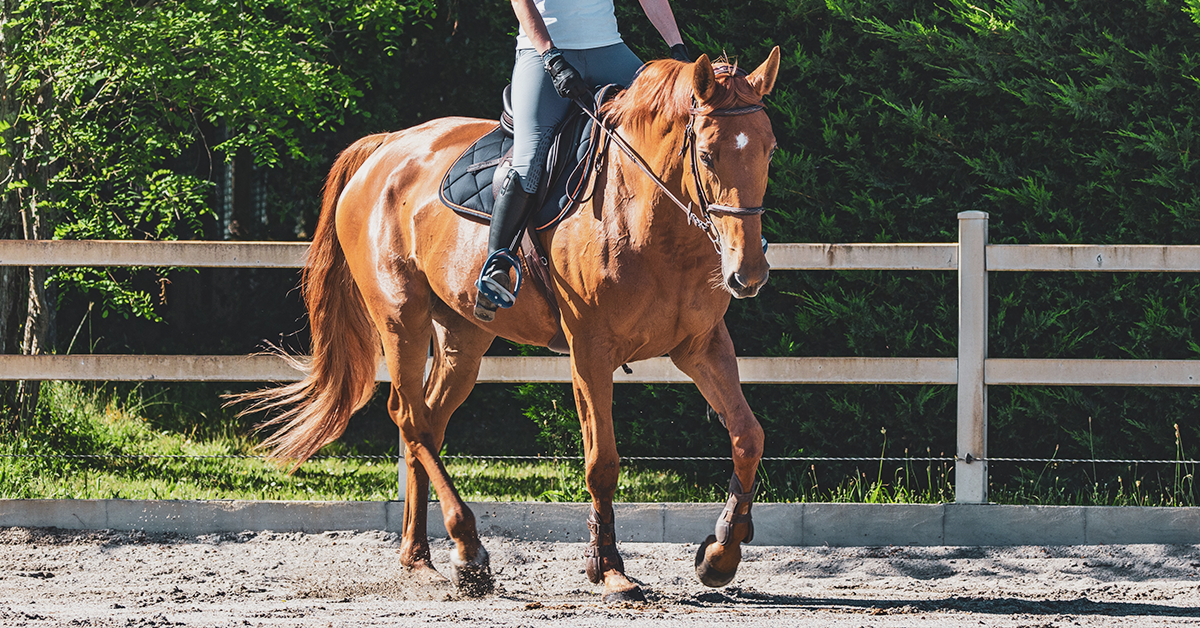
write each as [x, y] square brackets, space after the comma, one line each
[972, 371]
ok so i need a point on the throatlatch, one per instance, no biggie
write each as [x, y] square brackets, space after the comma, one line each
[603, 544]
[730, 517]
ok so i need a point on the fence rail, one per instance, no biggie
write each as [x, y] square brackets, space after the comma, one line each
[160, 253]
[291, 255]
[494, 370]
[972, 371]
[787, 256]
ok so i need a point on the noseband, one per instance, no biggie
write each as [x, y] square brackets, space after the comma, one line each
[707, 208]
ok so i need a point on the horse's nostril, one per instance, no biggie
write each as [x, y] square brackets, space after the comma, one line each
[735, 282]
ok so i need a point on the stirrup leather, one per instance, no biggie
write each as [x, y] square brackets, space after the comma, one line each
[602, 545]
[729, 515]
[493, 291]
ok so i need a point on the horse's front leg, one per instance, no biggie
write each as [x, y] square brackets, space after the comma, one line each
[710, 361]
[591, 373]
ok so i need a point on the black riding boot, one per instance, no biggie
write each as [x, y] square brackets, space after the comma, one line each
[508, 218]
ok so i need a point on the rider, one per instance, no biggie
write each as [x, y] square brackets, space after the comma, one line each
[544, 81]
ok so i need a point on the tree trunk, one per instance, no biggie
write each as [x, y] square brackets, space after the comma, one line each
[13, 280]
[38, 221]
[27, 321]
[40, 320]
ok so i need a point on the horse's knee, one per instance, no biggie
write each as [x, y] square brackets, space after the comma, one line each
[602, 477]
[747, 436]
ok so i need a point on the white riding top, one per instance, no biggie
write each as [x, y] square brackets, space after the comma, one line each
[576, 24]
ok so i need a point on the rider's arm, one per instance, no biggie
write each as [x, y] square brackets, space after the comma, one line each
[659, 12]
[534, 27]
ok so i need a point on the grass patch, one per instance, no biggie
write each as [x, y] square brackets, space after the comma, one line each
[563, 481]
[77, 419]
[81, 419]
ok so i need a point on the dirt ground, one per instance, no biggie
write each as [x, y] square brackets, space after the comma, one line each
[105, 578]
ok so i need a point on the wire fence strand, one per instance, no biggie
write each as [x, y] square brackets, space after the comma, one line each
[535, 458]
[190, 456]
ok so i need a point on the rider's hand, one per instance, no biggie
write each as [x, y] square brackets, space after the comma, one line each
[679, 52]
[567, 81]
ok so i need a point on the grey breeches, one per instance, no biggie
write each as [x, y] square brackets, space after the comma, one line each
[537, 108]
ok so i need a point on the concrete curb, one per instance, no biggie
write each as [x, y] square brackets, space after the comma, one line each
[775, 524]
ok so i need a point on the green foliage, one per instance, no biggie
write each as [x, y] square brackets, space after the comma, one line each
[129, 106]
[551, 409]
[1069, 122]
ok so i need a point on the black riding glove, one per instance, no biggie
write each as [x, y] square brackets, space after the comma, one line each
[567, 81]
[679, 52]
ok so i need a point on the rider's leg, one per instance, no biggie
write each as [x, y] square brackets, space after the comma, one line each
[610, 64]
[537, 110]
[508, 217]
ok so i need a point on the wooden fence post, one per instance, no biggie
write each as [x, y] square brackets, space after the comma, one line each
[970, 470]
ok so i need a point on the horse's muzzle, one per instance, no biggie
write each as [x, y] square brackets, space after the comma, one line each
[742, 287]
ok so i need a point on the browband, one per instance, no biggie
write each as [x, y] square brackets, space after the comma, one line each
[735, 111]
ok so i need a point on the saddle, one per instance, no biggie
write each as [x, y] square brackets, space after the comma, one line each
[469, 187]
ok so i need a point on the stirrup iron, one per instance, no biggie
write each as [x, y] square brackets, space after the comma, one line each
[490, 288]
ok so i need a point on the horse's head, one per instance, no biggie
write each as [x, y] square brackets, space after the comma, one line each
[714, 119]
[730, 150]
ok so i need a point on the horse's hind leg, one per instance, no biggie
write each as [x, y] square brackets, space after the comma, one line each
[414, 544]
[457, 351]
[711, 363]
[458, 348]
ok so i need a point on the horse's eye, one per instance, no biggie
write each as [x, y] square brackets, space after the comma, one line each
[706, 159]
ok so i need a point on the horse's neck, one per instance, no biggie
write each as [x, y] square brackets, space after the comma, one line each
[645, 212]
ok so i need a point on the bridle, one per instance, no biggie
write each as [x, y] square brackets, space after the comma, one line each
[707, 208]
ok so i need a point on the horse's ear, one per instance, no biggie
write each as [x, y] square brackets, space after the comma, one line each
[704, 81]
[763, 79]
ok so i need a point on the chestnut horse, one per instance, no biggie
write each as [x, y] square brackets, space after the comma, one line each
[390, 268]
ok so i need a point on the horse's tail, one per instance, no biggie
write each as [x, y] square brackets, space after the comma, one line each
[340, 376]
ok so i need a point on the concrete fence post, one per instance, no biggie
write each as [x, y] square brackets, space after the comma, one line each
[970, 470]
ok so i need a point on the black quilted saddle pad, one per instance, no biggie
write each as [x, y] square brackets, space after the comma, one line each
[467, 186]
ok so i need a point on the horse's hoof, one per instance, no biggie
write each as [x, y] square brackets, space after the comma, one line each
[425, 573]
[711, 576]
[628, 595]
[472, 578]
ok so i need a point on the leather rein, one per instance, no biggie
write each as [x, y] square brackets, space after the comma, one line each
[707, 208]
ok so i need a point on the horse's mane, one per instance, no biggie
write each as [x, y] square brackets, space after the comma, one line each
[659, 91]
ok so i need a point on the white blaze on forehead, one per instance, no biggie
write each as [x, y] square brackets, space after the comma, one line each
[742, 140]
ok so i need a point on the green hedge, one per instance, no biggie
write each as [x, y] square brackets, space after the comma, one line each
[1068, 122]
